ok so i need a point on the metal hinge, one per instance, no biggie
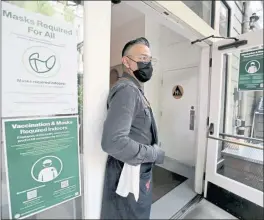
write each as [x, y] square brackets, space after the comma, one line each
[210, 62]
[207, 121]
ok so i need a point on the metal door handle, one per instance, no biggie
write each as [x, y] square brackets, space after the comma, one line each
[192, 117]
[211, 129]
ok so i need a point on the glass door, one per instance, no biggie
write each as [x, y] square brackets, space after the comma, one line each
[235, 138]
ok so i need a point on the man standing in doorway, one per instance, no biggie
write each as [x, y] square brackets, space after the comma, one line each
[130, 135]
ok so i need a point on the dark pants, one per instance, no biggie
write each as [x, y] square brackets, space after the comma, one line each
[117, 207]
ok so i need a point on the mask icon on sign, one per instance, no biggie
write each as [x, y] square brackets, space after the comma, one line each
[41, 66]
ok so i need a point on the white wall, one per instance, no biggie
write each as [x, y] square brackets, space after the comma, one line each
[152, 88]
[96, 87]
[179, 56]
[140, 27]
[121, 35]
[170, 57]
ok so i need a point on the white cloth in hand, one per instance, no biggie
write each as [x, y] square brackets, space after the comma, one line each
[129, 181]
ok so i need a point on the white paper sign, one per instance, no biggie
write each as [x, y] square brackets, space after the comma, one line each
[39, 64]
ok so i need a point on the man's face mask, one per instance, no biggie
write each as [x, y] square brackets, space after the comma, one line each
[144, 71]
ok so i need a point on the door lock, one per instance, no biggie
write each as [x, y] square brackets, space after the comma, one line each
[211, 128]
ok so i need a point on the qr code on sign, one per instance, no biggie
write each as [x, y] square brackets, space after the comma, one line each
[64, 183]
[31, 194]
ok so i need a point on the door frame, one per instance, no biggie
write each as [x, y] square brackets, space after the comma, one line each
[242, 190]
[97, 28]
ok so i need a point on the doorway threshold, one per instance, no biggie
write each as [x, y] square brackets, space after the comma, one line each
[205, 210]
[173, 202]
[178, 167]
[164, 181]
[188, 207]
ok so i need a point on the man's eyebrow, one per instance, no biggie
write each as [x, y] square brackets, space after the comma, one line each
[144, 54]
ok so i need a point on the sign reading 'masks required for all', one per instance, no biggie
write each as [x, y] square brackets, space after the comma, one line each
[39, 77]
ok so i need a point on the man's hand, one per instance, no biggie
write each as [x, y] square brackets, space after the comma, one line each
[160, 154]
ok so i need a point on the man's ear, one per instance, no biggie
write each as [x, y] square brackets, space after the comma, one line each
[125, 62]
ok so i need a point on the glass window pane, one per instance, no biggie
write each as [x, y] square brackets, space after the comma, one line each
[202, 8]
[223, 22]
[242, 118]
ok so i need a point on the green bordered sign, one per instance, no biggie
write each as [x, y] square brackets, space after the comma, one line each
[251, 70]
[42, 161]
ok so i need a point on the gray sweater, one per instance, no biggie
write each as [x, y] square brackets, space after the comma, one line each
[128, 134]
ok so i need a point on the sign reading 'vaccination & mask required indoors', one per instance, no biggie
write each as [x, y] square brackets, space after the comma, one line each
[251, 70]
[42, 163]
[39, 66]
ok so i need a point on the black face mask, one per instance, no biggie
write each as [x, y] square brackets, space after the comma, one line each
[144, 72]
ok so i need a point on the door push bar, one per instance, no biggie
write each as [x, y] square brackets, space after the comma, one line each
[241, 137]
[234, 142]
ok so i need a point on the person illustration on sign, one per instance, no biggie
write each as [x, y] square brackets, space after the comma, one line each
[177, 92]
[252, 68]
[48, 173]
